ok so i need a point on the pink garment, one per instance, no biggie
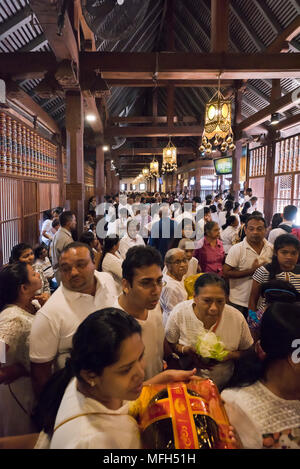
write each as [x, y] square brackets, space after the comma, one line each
[211, 259]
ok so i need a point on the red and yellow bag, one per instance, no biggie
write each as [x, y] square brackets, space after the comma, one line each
[182, 416]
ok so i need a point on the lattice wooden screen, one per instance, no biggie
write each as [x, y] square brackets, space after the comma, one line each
[258, 161]
[287, 158]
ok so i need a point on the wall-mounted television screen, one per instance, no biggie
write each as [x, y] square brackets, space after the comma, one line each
[223, 166]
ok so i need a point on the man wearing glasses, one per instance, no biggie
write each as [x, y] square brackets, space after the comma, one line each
[142, 284]
[173, 291]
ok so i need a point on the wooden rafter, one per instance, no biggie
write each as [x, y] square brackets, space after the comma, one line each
[279, 105]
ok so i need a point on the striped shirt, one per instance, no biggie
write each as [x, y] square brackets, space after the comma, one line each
[262, 275]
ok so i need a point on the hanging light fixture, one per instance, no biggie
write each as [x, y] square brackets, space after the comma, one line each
[154, 168]
[169, 163]
[146, 173]
[217, 127]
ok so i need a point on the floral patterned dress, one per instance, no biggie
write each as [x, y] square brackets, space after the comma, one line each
[17, 398]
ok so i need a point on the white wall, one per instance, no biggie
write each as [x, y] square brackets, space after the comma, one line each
[129, 181]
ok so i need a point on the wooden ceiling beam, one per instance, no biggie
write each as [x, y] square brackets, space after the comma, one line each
[150, 151]
[288, 34]
[149, 83]
[288, 122]
[23, 100]
[281, 104]
[180, 65]
[155, 131]
[219, 25]
[172, 66]
[150, 119]
[64, 46]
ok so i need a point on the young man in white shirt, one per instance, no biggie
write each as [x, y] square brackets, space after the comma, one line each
[289, 216]
[142, 285]
[82, 292]
[243, 259]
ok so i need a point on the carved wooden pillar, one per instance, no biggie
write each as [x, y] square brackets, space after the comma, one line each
[198, 182]
[75, 159]
[60, 174]
[99, 188]
[108, 187]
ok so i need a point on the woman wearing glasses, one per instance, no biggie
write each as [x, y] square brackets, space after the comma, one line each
[173, 291]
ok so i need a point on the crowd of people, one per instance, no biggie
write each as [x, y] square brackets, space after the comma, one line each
[86, 321]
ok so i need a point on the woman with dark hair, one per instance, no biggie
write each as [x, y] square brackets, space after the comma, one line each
[210, 252]
[229, 233]
[18, 284]
[83, 406]
[228, 208]
[89, 238]
[208, 312]
[111, 260]
[214, 213]
[23, 252]
[246, 207]
[283, 267]
[263, 403]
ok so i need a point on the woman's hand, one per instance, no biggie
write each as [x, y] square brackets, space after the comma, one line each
[42, 298]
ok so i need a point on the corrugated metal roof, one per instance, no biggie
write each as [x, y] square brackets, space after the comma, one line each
[254, 24]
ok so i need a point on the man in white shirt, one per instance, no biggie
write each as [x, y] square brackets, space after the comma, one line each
[62, 238]
[253, 207]
[173, 291]
[248, 195]
[82, 292]
[142, 284]
[289, 216]
[131, 238]
[243, 259]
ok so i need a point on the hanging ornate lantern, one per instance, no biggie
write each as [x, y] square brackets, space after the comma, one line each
[146, 173]
[169, 158]
[154, 168]
[217, 124]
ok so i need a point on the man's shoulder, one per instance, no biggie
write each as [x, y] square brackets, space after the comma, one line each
[104, 278]
[237, 248]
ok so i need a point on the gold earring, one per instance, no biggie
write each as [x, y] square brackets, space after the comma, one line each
[92, 384]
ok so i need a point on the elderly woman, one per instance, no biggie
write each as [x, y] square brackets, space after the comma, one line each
[131, 238]
[173, 291]
[207, 311]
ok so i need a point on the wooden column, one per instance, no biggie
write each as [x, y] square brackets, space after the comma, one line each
[237, 154]
[198, 182]
[99, 188]
[270, 178]
[75, 159]
[60, 175]
[108, 187]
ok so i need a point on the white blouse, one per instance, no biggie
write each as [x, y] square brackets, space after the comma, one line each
[112, 263]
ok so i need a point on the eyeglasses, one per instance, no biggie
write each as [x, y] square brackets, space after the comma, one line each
[152, 284]
[180, 261]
